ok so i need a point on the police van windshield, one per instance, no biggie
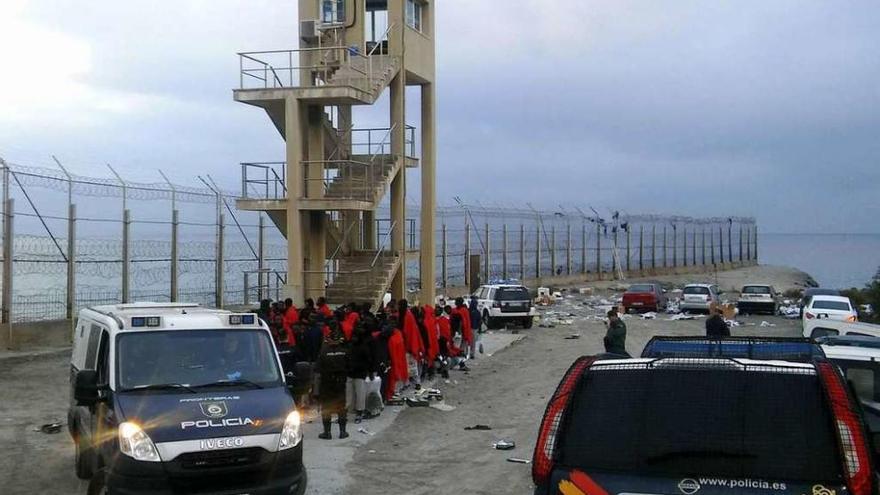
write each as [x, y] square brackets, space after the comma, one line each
[186, 359]
[673, 422]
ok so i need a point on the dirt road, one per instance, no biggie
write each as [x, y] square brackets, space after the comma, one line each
[411, 450]
[429, 451]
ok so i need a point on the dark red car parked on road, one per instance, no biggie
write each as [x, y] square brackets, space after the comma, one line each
[644, 297]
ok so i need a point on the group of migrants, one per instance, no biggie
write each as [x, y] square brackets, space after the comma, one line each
[351, 347]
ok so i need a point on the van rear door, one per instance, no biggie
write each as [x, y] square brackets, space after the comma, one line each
[699, 430]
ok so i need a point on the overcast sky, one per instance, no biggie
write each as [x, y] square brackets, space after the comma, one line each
[703, 108]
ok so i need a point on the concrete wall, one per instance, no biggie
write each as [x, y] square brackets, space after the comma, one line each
[37, 335]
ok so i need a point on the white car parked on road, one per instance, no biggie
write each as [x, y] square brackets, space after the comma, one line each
[699, 297]
[822, 307]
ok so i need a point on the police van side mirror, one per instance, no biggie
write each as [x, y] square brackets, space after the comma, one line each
[86, 388]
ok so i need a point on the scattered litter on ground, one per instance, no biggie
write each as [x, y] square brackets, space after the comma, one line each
[573, 336]
[586, 291]
[792, 312]
[681, 316]
[50, 428]
[371, 451]
[365, 431]
[478, 427]
[732, 323]
[672, 308]
[417, 402]
[442, 406]
[517, 460]
[649, 315]
[504, 445]
[767, 324]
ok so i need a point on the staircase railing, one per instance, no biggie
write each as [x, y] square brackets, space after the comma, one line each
[261, 180]
[382, 245]
[316, 66]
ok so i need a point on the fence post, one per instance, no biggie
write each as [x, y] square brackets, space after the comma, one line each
[538, 251]
[553, 250]
[467, 252]
[654, 246]
[641, 247]
[568, 253]
[522, 252]
[703, 244]
[665, 250]
[730, 241]
[126, 256]
[628, 243]
[756, 242]
[175, 216]
[684, 248]
[674, 246]
[740, 242]
[261, 259]
[694, 246]
[615, 254]
[598, 251]
[246, 300]
[71, 262]
[583, 248]
[712, 244]
[721, 244]
[488, 263]
[8, 252]
[504, 252]
[749, 243]
[218, 281]
[444, 273]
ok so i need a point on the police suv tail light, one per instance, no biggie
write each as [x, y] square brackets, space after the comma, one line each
[856, 456]
[291, 434]
[545, 447]
[135, 443]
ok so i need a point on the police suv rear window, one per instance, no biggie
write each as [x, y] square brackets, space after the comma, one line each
[512, 294]
[833, 305]
[756, 289]
[714, 422]
[696, 290]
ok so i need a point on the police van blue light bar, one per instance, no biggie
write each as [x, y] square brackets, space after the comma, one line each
[145, 321]
[248, 319]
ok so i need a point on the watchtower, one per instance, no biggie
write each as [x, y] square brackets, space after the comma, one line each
[324, 196]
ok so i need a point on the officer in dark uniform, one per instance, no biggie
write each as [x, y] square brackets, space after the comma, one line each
[332, 364]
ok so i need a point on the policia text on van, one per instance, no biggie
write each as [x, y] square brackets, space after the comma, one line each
[173, 398]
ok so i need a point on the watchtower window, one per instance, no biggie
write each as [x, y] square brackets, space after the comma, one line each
[414, 14]
[333, 11]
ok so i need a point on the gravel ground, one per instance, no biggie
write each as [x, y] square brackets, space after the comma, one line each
[412, 450]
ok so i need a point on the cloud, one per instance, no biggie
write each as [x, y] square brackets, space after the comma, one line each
[700, 108]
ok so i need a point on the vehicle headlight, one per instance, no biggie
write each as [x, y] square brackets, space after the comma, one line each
[291, 434]
[135, 443]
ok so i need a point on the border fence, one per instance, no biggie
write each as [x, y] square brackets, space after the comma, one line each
[70, 241]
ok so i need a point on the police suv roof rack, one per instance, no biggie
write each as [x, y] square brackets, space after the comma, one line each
[864, 341]
[759, 348]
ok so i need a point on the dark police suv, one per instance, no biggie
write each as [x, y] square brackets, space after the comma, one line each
[703, 426]
[174, 398]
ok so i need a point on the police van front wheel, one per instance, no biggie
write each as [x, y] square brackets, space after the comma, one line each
[98, 485]
[83, 458]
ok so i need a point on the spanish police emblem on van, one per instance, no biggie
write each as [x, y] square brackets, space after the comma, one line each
[214, 410]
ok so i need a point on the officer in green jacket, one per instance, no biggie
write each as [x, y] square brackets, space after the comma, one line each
[615, 337]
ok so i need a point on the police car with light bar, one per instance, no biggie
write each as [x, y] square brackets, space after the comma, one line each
[175, 398]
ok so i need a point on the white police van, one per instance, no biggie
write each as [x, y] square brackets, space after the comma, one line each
[174, 398]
